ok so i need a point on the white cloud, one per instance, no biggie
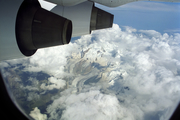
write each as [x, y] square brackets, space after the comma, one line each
[54, 84]
[112, 74]
[36, 114]
[140, 68]
[4, 64]
[151, 33]
[143, 62]
[50, 60]
[87, 106]
[173, 30]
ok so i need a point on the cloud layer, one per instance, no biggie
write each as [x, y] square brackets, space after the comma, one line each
[36, 114]
[110, 74]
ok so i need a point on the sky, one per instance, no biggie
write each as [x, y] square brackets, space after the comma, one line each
[159, 16]
[128, 72]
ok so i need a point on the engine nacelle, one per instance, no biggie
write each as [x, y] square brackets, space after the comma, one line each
[26, 26]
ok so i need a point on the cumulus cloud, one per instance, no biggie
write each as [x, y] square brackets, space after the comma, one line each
[141, 68]
[36, 114]
[4, 64]
[54, 84]
[173, 30]
[50, 60]
[87, 106]
[112, 74]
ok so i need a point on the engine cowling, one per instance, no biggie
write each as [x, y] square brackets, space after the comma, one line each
[39, 28]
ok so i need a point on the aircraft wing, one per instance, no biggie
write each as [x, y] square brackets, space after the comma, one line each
[116, 3]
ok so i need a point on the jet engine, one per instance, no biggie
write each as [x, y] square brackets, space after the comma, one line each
[26, 26]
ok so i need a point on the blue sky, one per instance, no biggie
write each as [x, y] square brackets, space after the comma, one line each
[159, 16]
